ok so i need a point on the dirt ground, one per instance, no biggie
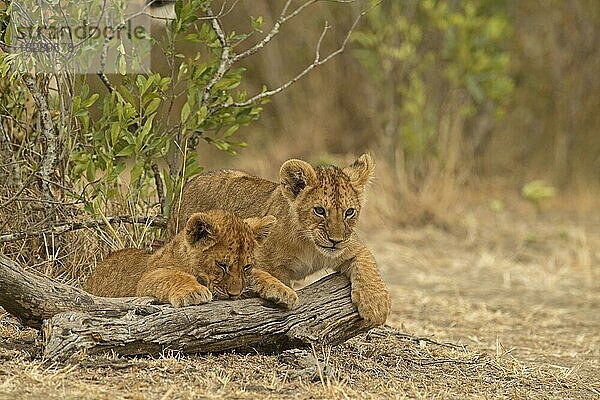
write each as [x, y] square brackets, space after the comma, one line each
[505, 306]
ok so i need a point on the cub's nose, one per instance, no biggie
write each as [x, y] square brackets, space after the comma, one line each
[234, 293]
[335, 241]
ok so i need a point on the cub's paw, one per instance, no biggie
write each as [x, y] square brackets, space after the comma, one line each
[190, 295]
[373, 304]
[280, 294]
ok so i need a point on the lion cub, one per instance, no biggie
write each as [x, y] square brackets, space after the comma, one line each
[210, 256]
[317, 209]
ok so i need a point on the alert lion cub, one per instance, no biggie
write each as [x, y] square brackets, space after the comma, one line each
[210, 256]
[316, 210]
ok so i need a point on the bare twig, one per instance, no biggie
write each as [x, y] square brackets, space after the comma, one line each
[225, 61]
[59, 228]
[273, 32]
[24, 186]
[106, 81]
[103, 56]
[6, 151]
[318, 61]
[281, 19]
[111, 230]
[387, 330]
[49, 157]
[160, 189]
[26, 199]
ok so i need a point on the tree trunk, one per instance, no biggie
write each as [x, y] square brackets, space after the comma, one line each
[75, 320]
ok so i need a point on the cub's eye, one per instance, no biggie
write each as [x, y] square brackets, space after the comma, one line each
[350, 213]
[223, 265]
[320, 211]
[248, 267]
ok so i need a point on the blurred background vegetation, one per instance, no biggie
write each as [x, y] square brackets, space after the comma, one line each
[447, 95]
[484, 88]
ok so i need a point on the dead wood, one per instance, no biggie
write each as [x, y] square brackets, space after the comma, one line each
[32, 297]
[62, 227]
[76, 321]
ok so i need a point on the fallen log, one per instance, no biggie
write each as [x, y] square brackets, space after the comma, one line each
[75, 321]
[32, 297]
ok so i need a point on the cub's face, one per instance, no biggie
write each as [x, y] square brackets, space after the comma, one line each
[221, 246]
[326, 200]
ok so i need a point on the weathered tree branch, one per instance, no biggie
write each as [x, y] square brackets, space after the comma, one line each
[32, 297]
[59, 228]
[325, 315]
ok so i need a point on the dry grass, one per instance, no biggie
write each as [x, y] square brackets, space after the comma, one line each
[70, 257]
[382, 364]
[517, 294]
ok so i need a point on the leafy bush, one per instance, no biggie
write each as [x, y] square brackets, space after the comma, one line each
[125, 140]
[439, 65]
[144, 130]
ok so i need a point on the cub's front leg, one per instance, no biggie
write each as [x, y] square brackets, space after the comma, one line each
[270, 288]
[173, 286]
[369, 292]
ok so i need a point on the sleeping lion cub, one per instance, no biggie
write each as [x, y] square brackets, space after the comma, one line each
[210, 257]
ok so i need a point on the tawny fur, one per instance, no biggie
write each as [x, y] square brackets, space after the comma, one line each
[301, 242]
[212, 255]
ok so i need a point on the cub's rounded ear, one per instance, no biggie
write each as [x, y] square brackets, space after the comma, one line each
[261, 226]
[198, 228]
[360, 171]
[295, 175]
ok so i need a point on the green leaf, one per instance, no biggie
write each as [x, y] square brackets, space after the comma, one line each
[153, 105]
[115, 130]
[76, 103]
[201, 115]
[126, 151]
[136, 172]
[257, 23]
[537, 190]
[144, 132]
[141, 84]
[87, 103]
[230, 131]
[120, 167]
[185, 113]
[8, 34]
[121, 65]
[127, 95]
[90, 173]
